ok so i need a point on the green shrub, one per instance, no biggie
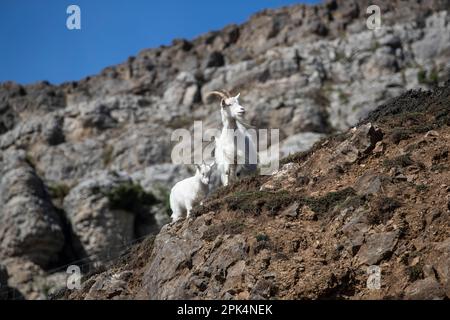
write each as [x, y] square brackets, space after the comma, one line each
[439, 167]
[330, 200]
[415, 272]
[431, 78]
[262, 237]
[422, 187]
[257, 201]
[402, 161]
[272, 202]
[58, 191]
[130, 197]
[443, 117]
[422, 76]
[164, 195]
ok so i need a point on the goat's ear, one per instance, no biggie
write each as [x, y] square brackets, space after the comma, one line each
[237, 96]
[224, 103]
[197, 167]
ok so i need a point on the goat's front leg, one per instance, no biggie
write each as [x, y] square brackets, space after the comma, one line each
[225, 179]
[225, 175]
[188, 210]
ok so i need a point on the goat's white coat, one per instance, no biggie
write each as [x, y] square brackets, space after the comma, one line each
[230, 162]
[188, 191]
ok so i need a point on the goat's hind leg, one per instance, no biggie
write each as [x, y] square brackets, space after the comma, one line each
[176, 215]
[177, 212]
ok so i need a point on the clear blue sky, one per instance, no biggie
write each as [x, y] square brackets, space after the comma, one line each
[36, 45]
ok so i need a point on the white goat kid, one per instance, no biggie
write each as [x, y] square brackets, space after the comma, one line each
[235, 152]
[190, 190]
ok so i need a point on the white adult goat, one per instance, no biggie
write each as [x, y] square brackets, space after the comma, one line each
[185, 192]
[235, 152]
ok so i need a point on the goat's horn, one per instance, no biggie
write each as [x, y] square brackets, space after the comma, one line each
[218, 93]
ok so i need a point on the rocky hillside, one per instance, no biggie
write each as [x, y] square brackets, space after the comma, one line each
[85, 166]
[378, 194]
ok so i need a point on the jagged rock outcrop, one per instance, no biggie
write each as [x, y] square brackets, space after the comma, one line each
[315, 234]
[362, 141]
[107, 212]
[29, 225]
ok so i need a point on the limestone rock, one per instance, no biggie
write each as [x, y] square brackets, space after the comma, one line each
[29, 225]
[377, 247]
[426, 289]
[103, 231]
[362, 141]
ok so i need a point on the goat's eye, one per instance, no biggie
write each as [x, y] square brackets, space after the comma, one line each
[223, 104]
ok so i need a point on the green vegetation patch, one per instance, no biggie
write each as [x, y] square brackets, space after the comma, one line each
[429, 78]
[443, 117]
[262, 237]
[402, 161]
[415, 272]
[422, 187]
[255, 202]
[58, 191]
[162, 194]
[272, 202]
[422, 76]
[130, 197]
[398, 134]
[329, 201]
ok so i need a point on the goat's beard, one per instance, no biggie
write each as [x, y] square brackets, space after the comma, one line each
[244, 123]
